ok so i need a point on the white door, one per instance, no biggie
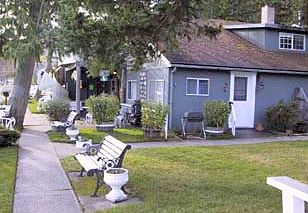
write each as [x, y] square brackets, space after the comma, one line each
[242, 94]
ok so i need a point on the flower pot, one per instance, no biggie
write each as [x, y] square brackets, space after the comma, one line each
[106, 127]
[260, 127]
[214, 130]
[72, 133]
[116, 178]
[289, 132]
[151, 133]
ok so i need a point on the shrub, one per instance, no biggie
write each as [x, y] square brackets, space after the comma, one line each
[58, 110]
[216, 113]
[8, 137]
[282, 116]
[104, 108]
[153, 115]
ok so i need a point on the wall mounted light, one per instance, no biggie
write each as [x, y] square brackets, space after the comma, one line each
[260, 82]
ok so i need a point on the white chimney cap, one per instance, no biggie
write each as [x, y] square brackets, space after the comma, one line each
[268, 15]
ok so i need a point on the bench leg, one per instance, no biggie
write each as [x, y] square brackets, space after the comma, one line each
[99, 182]
[81, 172]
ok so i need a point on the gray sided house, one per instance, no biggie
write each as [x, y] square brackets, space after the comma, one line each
[252, 65]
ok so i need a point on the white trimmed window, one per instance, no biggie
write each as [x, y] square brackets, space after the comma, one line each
[291, 41]
[197, 86]
[132, 90]
[156, 91]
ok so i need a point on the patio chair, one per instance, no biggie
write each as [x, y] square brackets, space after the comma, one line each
[8, 123]
[193, 117]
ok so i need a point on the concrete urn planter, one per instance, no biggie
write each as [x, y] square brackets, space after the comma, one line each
[72, 133]
[116, 178]
[83, 144]
[106, 127]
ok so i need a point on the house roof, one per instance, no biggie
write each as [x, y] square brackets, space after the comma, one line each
[266, 26]
[229, 51]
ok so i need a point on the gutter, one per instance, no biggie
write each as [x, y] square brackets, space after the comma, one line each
[260, 70]
[170, 98]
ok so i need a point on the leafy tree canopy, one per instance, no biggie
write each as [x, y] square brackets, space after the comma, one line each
[105, 32]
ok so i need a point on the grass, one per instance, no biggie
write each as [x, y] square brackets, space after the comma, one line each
[8, 158]
[206, 179]
[32, 106]
[130, 135]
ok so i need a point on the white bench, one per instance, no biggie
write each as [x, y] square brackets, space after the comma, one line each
[108, 154]
[294, 193]
[70, 120]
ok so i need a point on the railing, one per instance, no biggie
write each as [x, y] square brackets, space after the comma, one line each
[294, 193]
[232, 118]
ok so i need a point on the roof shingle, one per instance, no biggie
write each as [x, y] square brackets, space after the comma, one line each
[230, 50]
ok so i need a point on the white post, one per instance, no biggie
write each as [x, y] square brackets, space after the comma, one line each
[78, 87]
[292, 204]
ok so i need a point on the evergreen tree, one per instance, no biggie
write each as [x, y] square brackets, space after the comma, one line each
[103, 32]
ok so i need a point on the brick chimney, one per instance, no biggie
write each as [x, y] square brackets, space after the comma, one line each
[268, 15]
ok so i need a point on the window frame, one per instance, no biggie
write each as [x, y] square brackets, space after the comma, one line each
[198, 83]
[282, 34]
[128, 81]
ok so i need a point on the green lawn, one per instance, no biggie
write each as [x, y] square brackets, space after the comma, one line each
[206, 179]
[8, 158]
[130, 135]
[32, 106]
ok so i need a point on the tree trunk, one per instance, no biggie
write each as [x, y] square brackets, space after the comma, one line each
[20, 94]
[123, 85]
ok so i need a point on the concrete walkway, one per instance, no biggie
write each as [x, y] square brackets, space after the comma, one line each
[41, 184]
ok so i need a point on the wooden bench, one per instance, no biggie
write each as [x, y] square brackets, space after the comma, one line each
[108, 154]
[61, 126]
[294, 193]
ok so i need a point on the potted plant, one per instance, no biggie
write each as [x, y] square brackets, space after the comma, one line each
[116, 178]
[216, 115]
[57, 110]
[153, 115]
[104, 109]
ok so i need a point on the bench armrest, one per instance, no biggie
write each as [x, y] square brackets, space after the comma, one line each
[108, 163]
[93, 150]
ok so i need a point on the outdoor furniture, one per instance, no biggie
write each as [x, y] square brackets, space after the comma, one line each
[61, 126]
[108, 154]
[8, 123]
[135, 115]
[5, 110]
[193, 117]
[123, 118]
[294, 193]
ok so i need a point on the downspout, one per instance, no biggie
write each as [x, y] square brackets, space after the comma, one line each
[170, 95]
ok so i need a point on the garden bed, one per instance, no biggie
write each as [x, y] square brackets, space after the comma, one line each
[128, 135]
[206, 179]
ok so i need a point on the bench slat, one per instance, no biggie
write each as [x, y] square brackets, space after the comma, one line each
[115, 142]
[111, 152]
[88, 162]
